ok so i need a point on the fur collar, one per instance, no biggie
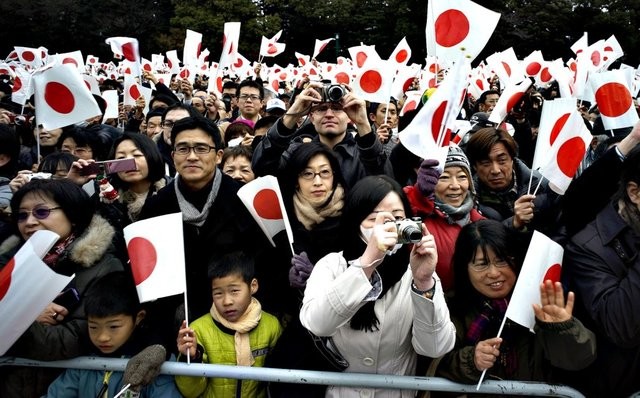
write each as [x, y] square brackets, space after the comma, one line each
[87, 249]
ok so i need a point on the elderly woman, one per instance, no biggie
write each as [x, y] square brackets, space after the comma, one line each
[445, 202]
[85, 249]
[379, 301]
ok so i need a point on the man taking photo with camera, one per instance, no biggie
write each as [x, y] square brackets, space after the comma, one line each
[332, 112]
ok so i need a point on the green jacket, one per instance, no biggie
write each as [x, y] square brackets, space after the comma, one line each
[219, 348]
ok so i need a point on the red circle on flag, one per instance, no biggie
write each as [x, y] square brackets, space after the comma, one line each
[59, 97]
[329, 68]
[301, 61]
[219, 83]
[437, 119]
[610, 108]
[127, 71]
[169, 63]
[282, 76]
[573, 66]
[275, 85]
[533, 68]
[184, 73]
[596, 57]
[432, 83]
[411, 105]
[92, 60]
[5, 277]
[507, 68]
[239, 63]
[570, 155]
[266, 204]
[433, 68]
[70, 60]
[128, 52]
[143, 258]
[342, 78]
[134, 92]
[361, 57]
[452, 27]
[480, 84]
[272, 49]
[407, 84]
[28, 56]
[402, 56]
[553, 273]
[545, 75]
[17, 84]
[513, 100]
[13, 55]
[371, 81]
[313, 71]
[557, 127]
[147, 67]
[86, 83]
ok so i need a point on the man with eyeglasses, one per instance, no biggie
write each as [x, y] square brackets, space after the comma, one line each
[215, 221]
[171, 115]
[250, 94]
[359, 150]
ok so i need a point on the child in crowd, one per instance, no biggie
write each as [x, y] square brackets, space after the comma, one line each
[114, 317]
[237, 332]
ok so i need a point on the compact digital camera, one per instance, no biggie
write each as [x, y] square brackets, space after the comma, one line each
[409, 230]
[332, 93]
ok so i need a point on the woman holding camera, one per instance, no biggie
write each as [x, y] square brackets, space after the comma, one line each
[445, 202]
[85, 248]
[381, 302]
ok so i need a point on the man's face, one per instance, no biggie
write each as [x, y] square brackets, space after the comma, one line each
[154, 126]
[169, 120]
[198, 101]
[195, 170]
[496, 172]
[379, 117]
[329, 119]
[489, 103]
[249, 102]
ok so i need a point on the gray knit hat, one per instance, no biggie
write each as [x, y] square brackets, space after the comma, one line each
[456, 157]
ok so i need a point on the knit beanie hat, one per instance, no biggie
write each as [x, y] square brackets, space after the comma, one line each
[456, 157]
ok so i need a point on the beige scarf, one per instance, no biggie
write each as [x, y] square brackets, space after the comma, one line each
[242, 327]
[311, 214]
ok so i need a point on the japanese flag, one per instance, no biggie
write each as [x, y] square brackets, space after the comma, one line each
[126, 47]
[92, 84]
[478, 82]
[535, 66]
[510, 97]
[568, 148]
[230, 42]
[133, 90]
[62, 97]
[506, 65]
[146, 65]
[361, 54]
[173, 62]
[27, 286]
[402, 53]
[404, 79]
[458, 28]
[22, 86]
[374, 81]
[543, 262]
[92, 60]
[191, 50]
[319, 46]
[263, 199]
[302, 59]
[613, 95]
[411, 102]
[271, 47]
[111, 98]
[31, 57]
[73, 58]
[581, 44]
[553, 118]
[156, 251]
[612, 51]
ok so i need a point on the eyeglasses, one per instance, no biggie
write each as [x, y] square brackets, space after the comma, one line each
[245, 97]
[311, 175]
[168, 124]
[40, 213]
[198, 149]
[483, 266]
[323, 108]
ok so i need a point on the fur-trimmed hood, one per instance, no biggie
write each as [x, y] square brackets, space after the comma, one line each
[86, 250]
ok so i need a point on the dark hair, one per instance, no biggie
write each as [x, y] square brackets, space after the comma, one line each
[482, 234]
[99, 142]
[250, 83]
[197, 122]
[151, 153]
[51, 162]
[373, 106]
[156, 112]
[165, 99]
[483, 98]
[230, 84]
[76, 204]
[234, 152]
[630, 173]
[299, 161]
[232, 263]
[266, 121]
[237, 128]
[481, 142]
[179, 105]
[10, 146]
[113, 294]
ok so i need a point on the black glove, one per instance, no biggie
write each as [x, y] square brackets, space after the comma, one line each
[428, 178]
[144, 367]
[300, 270]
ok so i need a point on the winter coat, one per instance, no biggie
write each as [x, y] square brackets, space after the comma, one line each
[218, 343]
[602, 266]
[90, 256]
[408, 323]
[358, 156]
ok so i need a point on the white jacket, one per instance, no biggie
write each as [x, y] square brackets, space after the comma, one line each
[409, 323]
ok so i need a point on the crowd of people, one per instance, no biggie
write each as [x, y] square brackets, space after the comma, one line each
[400, 265]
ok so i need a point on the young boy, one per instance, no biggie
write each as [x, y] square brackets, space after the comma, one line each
[114, 315]
[237, 332]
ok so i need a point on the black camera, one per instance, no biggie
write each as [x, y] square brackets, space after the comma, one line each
[332, 93]
[226, 99]
[409, 230]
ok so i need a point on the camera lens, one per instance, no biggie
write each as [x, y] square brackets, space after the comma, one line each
[335, 93]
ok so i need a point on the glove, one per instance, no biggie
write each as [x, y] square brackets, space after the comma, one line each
[300, 270]
[428, 178]
[144, 367]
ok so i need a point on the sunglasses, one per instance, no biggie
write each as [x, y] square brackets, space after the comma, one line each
[40, 213]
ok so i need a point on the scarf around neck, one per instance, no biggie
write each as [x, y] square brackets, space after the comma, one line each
[190, 214]
[310, 214]
[247, 322]
[458, 215]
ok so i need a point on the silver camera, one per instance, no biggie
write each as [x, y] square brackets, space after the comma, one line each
[409, 230]
[332, 93]
[41, 176]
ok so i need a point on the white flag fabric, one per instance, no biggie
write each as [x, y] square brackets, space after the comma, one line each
[191, 50]
[73, 58]
[156, 251]
[613, 95]
[361, 54]
[173, 62]
[27, 286]
[402, 53]
[542, 262]
[319, 46]
[263, 198]
[111, 98]
[22, 86]
[126, 47]
[458, 28]
[510, 97]
[552, 120]
[506, 65]
[374, 81]
[230, 43]
[62, 98]
[31, 57]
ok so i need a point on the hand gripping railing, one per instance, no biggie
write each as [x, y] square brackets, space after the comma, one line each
[312, 377]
